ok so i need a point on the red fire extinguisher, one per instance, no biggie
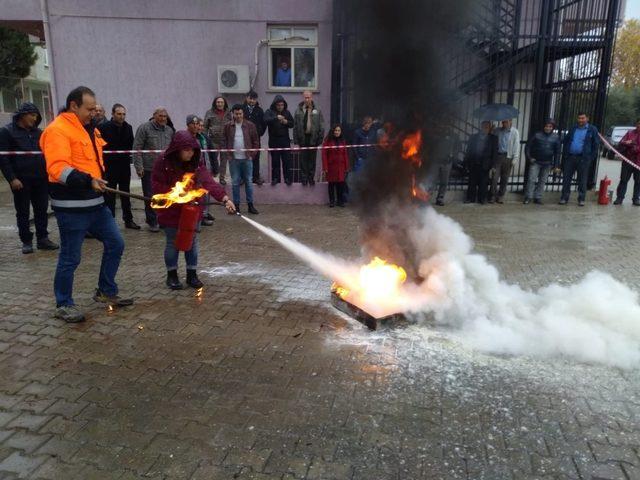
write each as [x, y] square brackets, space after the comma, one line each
[189, 216]
[603, 193]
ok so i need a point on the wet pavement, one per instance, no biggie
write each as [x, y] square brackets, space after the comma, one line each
[261, 378]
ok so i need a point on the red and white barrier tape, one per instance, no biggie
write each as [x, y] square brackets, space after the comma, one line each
[219, 150]
[618, 154]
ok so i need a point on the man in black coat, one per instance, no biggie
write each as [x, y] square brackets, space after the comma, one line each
[27, 175]
[117, 170]
[254, 113]
[482, 151]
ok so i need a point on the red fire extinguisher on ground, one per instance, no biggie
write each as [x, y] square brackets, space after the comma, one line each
[189, 216]
[603, 193]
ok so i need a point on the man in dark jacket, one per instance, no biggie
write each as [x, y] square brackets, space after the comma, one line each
[308, 131]
[365, 135]
[279, 120]
[482, 152]
[242, 137]
[446, 148]
[542, 152]
[117, 166]
[27, 175]
[580, 149]
[254, 113]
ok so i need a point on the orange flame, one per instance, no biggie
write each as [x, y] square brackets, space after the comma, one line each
[179, 193]
[375, 287]
[417, 192]
[411, 148]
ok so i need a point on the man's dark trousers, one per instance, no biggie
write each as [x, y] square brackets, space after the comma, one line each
[308, 161]
[34, 192]
[279, 157]
[626, 173]
[256, 168]
[119, 177]
[147, 190]
[478, 183]
[572, 164]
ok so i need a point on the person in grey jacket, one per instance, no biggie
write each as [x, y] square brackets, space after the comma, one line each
[542, 152]
[308, 131]
[152, 135]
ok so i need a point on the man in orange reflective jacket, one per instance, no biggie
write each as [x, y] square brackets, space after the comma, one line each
[72, 149]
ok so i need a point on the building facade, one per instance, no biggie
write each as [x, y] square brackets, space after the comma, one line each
[35, 88]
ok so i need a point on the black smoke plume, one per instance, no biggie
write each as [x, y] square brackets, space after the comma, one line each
[402, 68]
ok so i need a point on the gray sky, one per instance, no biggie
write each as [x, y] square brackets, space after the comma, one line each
[633, 9]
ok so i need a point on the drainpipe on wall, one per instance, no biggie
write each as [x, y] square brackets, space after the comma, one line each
[255, 70]
[53, 98]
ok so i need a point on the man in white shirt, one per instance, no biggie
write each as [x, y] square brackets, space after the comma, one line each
[241, 136]
[508, 156]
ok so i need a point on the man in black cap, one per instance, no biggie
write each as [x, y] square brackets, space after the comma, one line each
[27, 175]
[254, 113]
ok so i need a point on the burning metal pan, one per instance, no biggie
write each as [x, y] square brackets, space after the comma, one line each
[363, 317]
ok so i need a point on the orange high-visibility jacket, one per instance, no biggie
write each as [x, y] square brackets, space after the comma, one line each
[72, 161]
[67, 146]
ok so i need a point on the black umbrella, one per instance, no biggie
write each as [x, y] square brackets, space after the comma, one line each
[496, 112]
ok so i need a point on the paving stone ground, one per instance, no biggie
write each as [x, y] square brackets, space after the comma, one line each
[261, 378]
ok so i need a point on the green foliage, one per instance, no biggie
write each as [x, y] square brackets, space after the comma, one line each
[17, 56]
[623, 106]
[626, 57]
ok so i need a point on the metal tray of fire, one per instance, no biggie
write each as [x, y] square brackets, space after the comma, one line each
[363, 317]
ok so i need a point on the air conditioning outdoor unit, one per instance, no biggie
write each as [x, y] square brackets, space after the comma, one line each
[233, 78]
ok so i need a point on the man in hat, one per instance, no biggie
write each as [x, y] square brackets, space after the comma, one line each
[27, 175]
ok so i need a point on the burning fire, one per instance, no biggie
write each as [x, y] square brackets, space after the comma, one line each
[179, 193]
[376, 284]
[417, 192]
[411, 148]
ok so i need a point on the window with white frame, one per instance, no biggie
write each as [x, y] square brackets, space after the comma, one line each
[293, 57]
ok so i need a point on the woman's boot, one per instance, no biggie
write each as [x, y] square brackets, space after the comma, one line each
[193, 280]
[173, 282]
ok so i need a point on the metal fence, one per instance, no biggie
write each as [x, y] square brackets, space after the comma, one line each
[548, 58]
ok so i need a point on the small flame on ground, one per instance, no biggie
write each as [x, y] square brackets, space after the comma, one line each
[199, 292]
[110, 308]
[179, 193]
[417, 192]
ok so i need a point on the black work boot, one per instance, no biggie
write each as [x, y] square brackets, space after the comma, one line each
[252, 209]
[46, 244]
[193, 280]
[173, 282]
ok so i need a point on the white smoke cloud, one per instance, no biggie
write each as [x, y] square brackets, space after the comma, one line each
[596, 320]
